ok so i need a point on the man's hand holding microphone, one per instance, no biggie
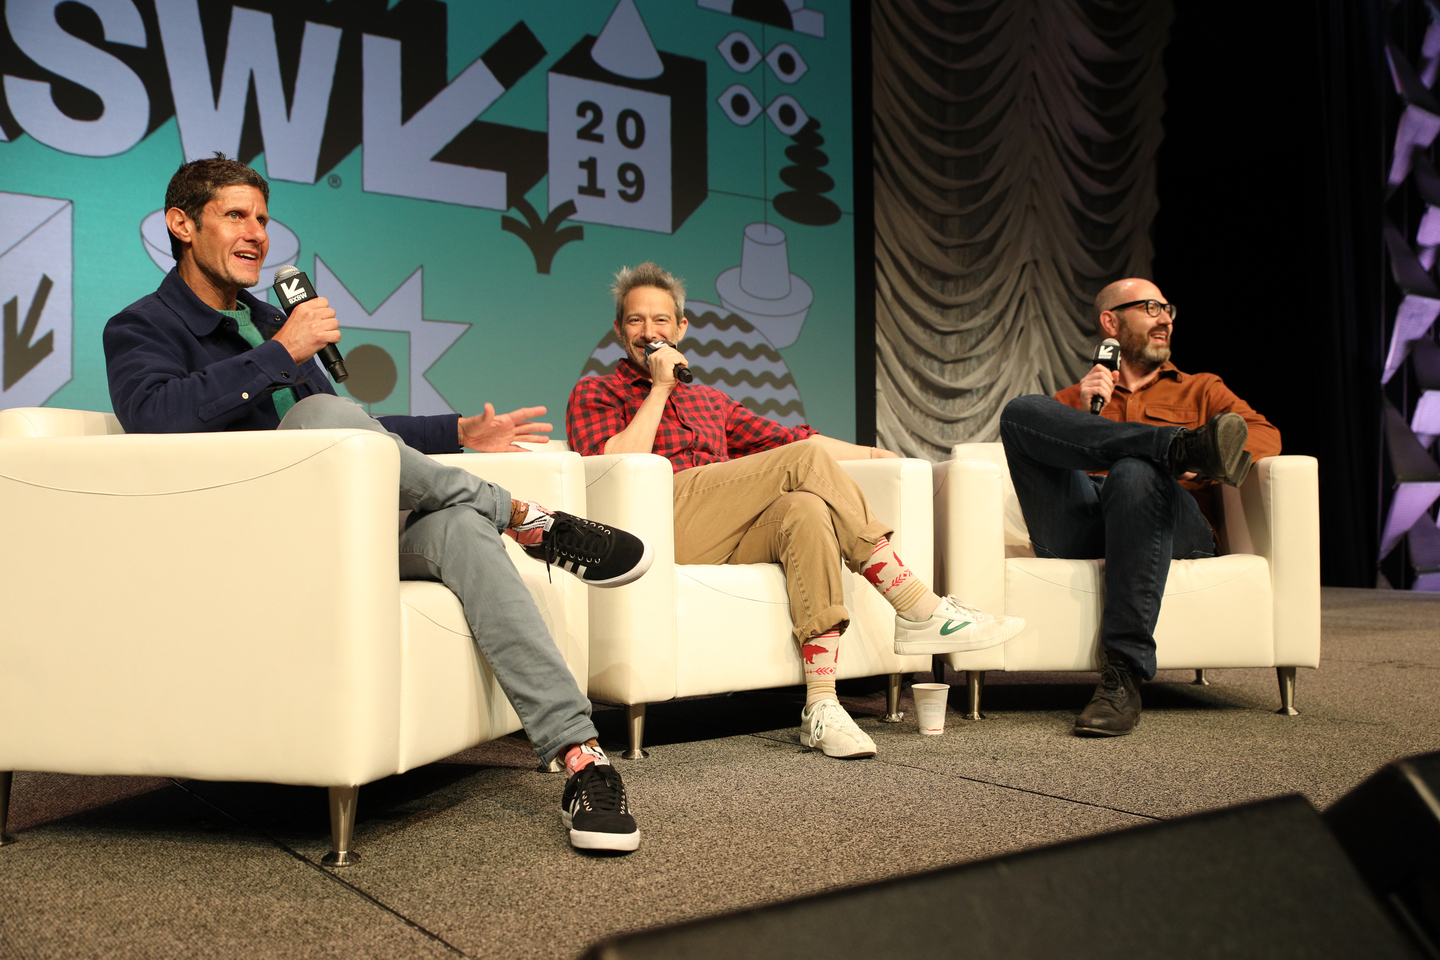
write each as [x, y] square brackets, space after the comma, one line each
[667, 363]
[1099, 383]
[311, 326]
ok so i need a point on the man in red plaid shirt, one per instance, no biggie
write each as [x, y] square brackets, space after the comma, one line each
[748, 490]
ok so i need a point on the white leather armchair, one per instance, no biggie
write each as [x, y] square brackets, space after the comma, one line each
[689, 630]
[1256, 604]
[227, 607]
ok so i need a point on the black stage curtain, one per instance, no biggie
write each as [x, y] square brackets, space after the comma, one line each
[1271, 182]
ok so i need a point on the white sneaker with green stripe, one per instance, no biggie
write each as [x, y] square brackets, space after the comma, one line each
[953, 628]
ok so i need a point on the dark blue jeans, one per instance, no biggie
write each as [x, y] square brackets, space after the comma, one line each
[1138, 517]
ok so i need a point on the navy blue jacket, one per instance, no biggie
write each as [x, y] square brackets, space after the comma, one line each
[176, 365]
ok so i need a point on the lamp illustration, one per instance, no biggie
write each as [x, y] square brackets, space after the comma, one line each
[763, 290]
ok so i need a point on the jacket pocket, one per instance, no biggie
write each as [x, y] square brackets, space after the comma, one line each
[1172, 416]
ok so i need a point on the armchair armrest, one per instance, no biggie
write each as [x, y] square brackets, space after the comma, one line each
[56, 422]
[1276, 514]
[633, 657]
[554, 480]
[970, 528]
[183, 603]
[898, 492]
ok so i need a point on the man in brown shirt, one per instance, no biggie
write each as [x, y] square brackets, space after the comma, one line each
[1134, 485]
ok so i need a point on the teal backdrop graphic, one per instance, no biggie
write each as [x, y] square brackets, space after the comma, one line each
[461, 180]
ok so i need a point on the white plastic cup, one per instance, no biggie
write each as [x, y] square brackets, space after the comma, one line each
[930, 699]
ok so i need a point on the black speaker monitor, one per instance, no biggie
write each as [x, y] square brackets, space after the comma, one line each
[1262, 880]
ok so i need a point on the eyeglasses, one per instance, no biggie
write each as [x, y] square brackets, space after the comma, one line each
[1152, 307]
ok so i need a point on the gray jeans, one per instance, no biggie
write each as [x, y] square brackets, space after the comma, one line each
[453, 537]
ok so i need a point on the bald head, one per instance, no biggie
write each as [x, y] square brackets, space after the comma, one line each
[1123, 291]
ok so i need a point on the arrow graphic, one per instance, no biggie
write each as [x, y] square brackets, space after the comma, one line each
[22, 356]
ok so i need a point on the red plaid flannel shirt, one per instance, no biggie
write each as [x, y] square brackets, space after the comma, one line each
[701, 425]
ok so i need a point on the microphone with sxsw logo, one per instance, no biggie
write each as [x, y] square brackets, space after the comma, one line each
[682, 373]
[1107, 355]
[293, 288]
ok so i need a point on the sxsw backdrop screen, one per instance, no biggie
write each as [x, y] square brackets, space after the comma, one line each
[460, 179]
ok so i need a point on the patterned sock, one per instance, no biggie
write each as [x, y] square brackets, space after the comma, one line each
[820, 654]
[581, 755]
[903, 590]
[528, 521]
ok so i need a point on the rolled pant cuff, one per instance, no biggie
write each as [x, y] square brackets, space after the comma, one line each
[834, 617]
[579, 733]
[869, 538]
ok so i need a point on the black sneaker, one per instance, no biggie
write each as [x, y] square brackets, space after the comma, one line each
[599, 555]
[595, 811]
[1215, 451]
[1114, 710]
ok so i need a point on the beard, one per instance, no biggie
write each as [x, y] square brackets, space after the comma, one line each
[1138, 352]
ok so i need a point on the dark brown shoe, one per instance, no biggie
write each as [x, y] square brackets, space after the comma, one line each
[1114, 710]
[1215, 451]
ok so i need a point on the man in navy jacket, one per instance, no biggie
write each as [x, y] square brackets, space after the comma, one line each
[201, 354]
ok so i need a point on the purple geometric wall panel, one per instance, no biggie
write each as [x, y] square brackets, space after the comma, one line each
[1412, 169]
[1411, 501]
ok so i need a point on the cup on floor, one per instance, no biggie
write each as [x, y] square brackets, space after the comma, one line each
[930, 701]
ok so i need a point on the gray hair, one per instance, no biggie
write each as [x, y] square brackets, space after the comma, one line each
[647, 274]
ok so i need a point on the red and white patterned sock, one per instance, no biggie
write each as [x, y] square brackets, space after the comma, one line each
[904, 591]
[528, 521]
[819, 655]
[581, 755]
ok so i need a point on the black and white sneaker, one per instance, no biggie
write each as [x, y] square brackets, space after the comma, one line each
[595, 811]
[599, 555]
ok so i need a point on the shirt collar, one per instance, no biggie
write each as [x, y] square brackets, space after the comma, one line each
[1168, 371]
[200, 317]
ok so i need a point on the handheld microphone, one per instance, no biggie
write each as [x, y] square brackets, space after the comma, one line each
[1107, 355]
[682, 373]
[293, 288]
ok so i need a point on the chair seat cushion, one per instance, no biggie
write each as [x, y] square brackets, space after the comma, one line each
[735, 624]
[1216, 612]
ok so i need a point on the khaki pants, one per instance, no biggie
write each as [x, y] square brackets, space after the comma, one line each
[792, 505]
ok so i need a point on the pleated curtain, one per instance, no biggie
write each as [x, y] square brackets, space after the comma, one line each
[1014, 147]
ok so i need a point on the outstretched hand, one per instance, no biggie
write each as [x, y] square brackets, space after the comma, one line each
[490, 432]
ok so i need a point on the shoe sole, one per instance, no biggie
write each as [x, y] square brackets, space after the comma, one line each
[1097, 732]
[959, 643]
[1231, 433]
[858, 755]
[621, 842]
[591, 840]
[631, 575]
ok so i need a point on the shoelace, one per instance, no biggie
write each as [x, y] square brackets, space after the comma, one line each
[973, 613]
[597, 792]
[573, 540]
[1112, 685]
[821, 720]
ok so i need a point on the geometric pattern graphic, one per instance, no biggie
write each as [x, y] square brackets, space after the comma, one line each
[36, 272]
[404, 312]
[1412, 354]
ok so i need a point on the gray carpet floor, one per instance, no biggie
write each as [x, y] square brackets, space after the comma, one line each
[467, 857]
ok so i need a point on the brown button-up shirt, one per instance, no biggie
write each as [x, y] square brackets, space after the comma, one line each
[1179, 399]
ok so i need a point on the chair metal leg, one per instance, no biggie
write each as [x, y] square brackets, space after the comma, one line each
[6, 779]
[1200, 679]
[892, 699]
[635, 721]
[937, 668]
[974, 684]
[1286, 676]
[342, 827]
